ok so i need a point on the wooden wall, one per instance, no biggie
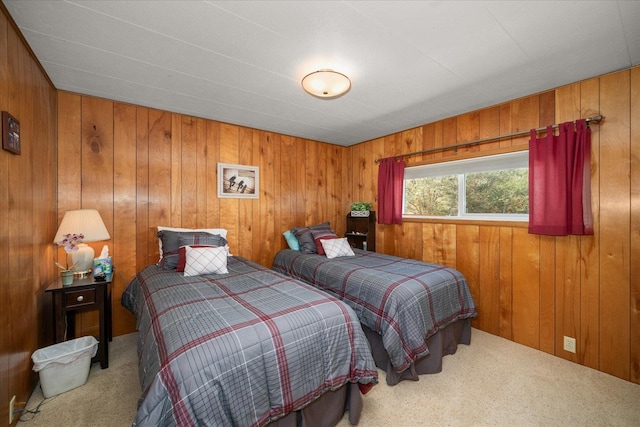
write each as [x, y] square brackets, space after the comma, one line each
[532, 289]
[27, 215]
[142, 168]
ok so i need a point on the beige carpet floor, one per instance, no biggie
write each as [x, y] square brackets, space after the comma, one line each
[492, 382]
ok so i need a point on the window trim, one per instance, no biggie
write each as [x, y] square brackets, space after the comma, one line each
[476, 162]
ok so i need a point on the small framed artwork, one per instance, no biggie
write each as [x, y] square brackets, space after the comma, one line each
[238, 181]
[10, 133]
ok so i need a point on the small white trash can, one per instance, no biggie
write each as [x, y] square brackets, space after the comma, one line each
[64, 366]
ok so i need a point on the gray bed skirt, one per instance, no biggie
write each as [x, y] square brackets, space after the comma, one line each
[327, 410]
[440, 344]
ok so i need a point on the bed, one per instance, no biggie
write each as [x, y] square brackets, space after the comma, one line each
[249, 348]
[412, 312]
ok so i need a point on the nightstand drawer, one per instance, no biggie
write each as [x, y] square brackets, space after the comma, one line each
[80, 298]
[84, 294]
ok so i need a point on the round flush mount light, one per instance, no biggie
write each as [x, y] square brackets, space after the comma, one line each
[326, 84]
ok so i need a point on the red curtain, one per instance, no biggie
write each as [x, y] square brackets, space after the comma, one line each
[390, 188]
[560, 181]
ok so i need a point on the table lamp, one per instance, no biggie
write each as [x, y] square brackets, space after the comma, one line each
[87, 222]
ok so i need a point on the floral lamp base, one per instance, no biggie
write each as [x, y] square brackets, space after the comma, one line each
[82, 259]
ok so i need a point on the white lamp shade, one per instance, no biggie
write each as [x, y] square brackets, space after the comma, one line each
[83, 221]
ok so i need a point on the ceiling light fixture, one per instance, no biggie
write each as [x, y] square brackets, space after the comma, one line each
[326, 84]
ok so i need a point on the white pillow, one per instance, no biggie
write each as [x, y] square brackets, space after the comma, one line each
[205, 260]
[220, 231]
[336, 247]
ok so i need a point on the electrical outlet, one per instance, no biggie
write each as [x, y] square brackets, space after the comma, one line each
[12, 404]
[570, 344]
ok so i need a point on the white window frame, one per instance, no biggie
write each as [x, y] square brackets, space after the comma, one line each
[517, 159]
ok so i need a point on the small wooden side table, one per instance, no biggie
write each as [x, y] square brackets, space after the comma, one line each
[361, 231]
[83, 294]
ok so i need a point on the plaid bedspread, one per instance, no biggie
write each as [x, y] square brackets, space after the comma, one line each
[240, 349]
[404, 300]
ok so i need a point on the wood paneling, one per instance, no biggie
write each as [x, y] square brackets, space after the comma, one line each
[548, 295]
[143, 167]
[589, 262]
[525, 288]
[144, 249]
[505, 319]
[532, 289]
[614, 226]
[467, 243]
[123, 241]
[489, 273]
[634, 164]
[28, 219]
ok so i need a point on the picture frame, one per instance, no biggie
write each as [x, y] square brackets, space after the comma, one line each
[238, 181]
[10, 133]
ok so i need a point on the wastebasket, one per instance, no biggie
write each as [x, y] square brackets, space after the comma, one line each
[64, 366]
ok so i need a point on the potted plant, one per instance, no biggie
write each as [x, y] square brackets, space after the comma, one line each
[70, 243]
[66, 273]
[360, 209]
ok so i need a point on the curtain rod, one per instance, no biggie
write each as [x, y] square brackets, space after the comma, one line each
[595, 119]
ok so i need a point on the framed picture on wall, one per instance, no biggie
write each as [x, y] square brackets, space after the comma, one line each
[10, 133]
[238, 181]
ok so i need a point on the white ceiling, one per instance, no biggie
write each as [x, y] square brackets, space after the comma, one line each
[410, 62]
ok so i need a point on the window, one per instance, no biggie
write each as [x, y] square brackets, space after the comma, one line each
[491, 187]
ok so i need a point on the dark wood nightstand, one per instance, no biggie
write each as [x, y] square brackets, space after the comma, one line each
[361, 231]
[83, 294]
